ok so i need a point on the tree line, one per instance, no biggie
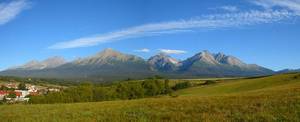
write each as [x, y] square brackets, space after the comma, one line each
[88, 92]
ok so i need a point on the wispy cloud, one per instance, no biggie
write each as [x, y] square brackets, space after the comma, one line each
[169, 51]
[170, 32]
[229, 8]
[293, 5]
[213, 21]
[144, 50]
[9, 10]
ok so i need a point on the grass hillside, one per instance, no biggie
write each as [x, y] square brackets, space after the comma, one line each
[274, 98]
[242, 85]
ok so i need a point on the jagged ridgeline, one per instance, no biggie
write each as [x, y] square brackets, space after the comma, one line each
[109, 65]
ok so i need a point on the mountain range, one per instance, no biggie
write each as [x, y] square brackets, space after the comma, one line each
[109, 65]
[288, 71]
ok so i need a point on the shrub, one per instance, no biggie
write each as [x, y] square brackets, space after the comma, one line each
[209, 82]
[182, 85]
[22, 86]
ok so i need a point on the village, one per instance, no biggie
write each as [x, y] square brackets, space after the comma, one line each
[13, 92]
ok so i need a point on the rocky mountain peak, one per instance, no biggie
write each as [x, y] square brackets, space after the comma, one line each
[206, 57]
[219, 56]
[233, 61]
[106, 57]
[51, 62]
[108, 52]
[162, 62]
[162, 58]
[228, 60]
[54, 62]
[30, 64]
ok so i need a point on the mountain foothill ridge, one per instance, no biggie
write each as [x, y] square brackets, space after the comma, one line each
[110, 63]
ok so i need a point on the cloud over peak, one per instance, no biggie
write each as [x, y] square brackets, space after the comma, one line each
[144, 50]
[169, 51]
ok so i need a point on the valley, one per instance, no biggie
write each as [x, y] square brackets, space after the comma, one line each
[271, 98]
[149, 61]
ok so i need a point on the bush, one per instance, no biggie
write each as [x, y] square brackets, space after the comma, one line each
[22, 86]
[11, 95]
[182, 85]
[208, 82]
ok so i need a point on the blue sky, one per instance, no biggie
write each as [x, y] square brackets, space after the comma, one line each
[264, 32]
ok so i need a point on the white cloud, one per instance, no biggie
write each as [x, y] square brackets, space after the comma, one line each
[213, 21]
[9, 10]
[293, 5]
[169, 51]
[170, 32]
[229, 8]
[144, 50]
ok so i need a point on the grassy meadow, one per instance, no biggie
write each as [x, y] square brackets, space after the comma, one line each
[273, 98]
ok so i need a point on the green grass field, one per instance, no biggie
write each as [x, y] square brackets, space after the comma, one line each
[274, 98]
[242, 85]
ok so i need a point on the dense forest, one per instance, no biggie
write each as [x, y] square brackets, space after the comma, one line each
[126, 90]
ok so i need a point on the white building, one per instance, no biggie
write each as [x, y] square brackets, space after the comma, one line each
[31, 88]
[24, 93]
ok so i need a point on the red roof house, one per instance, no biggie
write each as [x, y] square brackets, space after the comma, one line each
[3, 93]
[18, 94]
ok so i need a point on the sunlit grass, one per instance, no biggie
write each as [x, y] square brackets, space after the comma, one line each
[274, 98]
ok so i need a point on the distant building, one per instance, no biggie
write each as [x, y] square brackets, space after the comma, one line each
[31, 88]
[3, 94]
[22, 93]
[20, 96]
[33, 93]
[12, 85]
[53, 90]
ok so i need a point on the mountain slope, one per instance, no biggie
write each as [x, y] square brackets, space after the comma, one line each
[243, 85]
[163, 63]
[208, 64]
[288, 71]
[106, 65]
[109, 65]
[36, 65]
[107, 56]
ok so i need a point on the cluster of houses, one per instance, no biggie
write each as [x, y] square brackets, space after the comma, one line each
[14, 94]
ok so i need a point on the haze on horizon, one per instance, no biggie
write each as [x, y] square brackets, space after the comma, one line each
[264, 32]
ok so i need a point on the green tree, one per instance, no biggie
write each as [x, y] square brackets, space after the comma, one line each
[167, 89]
[102, 94]
[182, 85]
[12, 95]
[4, 87]
[135, 91]
[151, 88]
[87, 92]
[122, 91]
[22, 86]
[158, 77]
